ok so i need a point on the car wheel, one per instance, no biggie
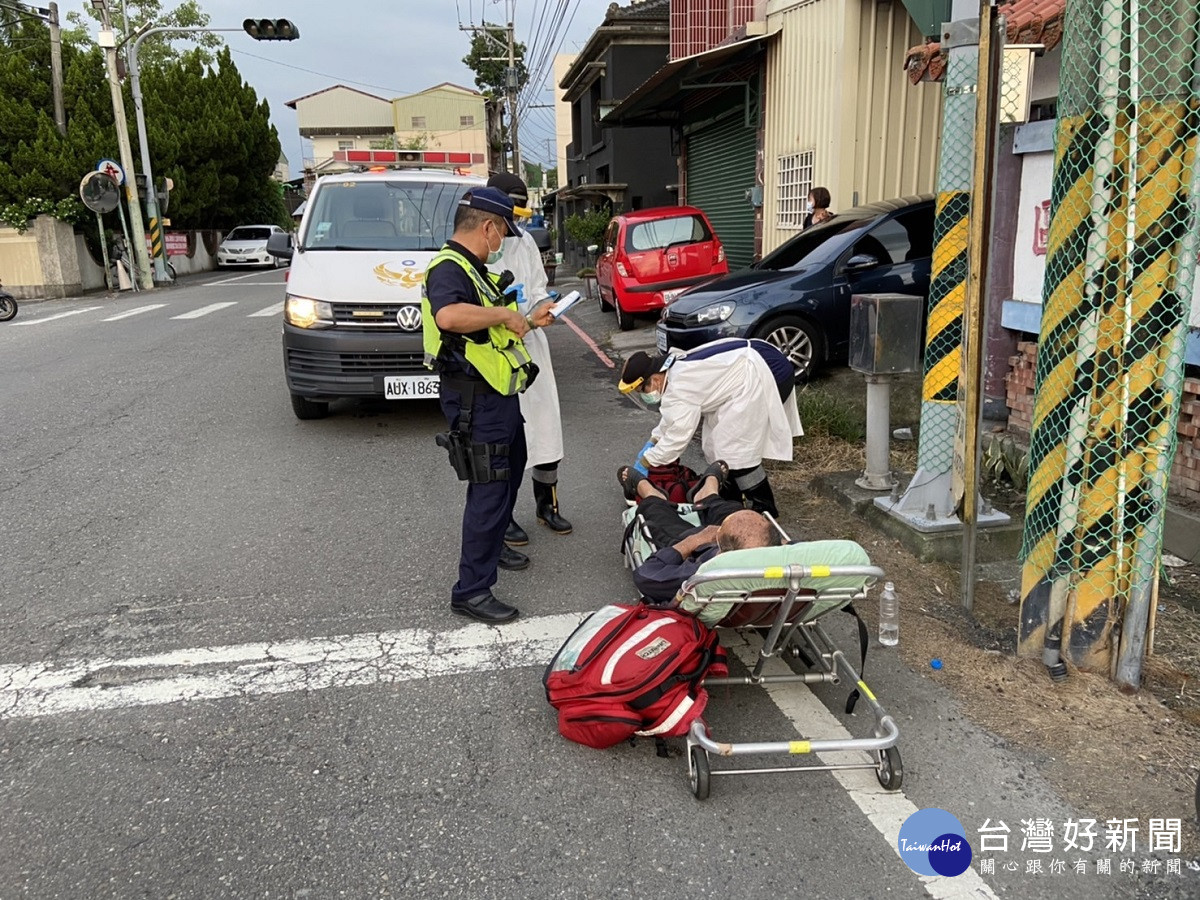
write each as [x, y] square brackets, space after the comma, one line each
[308, 409]
[799, 340]
[624, 319]
[605, 306]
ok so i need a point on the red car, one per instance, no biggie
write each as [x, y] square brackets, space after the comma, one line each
[650, 256]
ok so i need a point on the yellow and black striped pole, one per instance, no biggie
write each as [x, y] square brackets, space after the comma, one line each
[1119, 265]
[154, 232]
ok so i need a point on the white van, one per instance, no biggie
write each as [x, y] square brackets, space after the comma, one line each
[352, 314]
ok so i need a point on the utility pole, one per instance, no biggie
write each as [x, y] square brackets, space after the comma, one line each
[510, 81]
[56, 70]
[108, 42]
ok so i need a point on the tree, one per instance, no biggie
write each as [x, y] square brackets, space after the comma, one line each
[211, 134]
[490, 72]
[206, 127]
[587, 228]
[157, 50]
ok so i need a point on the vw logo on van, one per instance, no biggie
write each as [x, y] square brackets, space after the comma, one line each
[409, 317]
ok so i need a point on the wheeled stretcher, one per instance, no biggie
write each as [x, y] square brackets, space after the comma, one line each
[781, 593]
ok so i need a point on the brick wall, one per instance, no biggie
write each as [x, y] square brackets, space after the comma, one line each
[1019, 388]
[1185, 472]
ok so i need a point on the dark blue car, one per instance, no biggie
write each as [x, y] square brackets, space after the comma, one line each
[798, 297]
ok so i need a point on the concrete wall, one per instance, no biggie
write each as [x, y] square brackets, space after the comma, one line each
[49, 261]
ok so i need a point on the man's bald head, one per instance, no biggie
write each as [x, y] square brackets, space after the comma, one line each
[745, 529]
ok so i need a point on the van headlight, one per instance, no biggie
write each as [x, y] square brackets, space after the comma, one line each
[718, 312]
[305, 313]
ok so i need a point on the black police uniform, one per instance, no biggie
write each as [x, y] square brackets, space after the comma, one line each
[495, 419]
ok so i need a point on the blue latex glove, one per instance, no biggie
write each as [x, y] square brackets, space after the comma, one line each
[640, 465]
[516, 293]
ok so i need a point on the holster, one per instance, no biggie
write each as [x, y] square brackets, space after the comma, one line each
[471, 460]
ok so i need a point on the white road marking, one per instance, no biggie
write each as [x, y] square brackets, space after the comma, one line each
[205, 310]
[886, 810]
[239, 278]
[210, 673]
[61, 315]
[273, 310]
[134, 312]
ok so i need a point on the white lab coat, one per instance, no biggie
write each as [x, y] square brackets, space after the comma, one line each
[539, 404]
[733, 394]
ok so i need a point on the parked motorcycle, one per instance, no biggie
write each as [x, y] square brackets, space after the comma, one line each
[8, 305]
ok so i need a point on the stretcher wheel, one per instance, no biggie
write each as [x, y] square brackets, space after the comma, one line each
[890, 770]
[700, 774]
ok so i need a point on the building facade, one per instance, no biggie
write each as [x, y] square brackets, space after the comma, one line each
[443, 117]
[340, 118]
[615, 168]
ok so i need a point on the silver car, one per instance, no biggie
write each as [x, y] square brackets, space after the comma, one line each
[246, 245]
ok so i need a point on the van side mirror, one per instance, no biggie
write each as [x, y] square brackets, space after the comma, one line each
[279, 245]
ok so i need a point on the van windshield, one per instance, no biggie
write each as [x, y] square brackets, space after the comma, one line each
[382, 215]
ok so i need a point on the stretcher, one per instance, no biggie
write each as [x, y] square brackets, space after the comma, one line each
[781, 594]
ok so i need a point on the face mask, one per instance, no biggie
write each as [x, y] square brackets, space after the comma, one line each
[808, 207]
[652, 400]
[494, 255]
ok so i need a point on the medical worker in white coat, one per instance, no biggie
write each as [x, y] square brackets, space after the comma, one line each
[741, 391]
[539, 404]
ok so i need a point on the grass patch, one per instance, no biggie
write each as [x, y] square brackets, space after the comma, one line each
[825, 413]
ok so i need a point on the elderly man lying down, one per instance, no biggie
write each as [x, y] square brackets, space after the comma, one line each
[683, 546]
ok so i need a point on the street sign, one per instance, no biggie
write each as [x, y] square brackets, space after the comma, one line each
[99, 192]
[112, 169]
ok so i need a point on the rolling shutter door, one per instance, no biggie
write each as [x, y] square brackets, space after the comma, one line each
[720, 170]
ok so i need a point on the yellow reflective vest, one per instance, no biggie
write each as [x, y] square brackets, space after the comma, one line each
[502, 361]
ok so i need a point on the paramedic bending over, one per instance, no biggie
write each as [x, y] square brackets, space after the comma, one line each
[741, 391]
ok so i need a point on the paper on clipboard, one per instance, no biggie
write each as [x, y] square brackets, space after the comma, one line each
[564, 303]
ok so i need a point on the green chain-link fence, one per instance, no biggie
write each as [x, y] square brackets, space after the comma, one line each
[1120, 262]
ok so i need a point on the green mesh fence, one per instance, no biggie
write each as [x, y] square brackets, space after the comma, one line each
[947, 291]
[1120, 263]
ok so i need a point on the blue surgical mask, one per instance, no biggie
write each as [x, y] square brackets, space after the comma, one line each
[494, 255]
[652, 399]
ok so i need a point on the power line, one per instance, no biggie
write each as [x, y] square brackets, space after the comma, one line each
[395, 92]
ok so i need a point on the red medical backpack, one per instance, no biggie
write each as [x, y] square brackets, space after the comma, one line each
[632, 670]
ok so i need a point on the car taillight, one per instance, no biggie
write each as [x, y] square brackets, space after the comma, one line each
[720, 253]
[621, 270]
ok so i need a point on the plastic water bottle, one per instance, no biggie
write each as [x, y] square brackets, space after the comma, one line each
[889, 616]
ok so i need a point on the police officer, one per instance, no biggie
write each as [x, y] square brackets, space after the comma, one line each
[472, 333]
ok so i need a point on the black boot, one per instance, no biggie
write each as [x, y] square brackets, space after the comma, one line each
[515, 535]
[546, 496]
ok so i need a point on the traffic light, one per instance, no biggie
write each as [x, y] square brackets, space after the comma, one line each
[271, 29]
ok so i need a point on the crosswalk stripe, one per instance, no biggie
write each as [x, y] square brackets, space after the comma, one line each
[134, 312]
[205, 310]
[61, 315]
[273, 310]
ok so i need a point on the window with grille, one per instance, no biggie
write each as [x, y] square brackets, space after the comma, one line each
[466, 121]
[795, 181]
[418, 121]
[345, 145]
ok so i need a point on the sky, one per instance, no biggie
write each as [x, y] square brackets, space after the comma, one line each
[391, 48]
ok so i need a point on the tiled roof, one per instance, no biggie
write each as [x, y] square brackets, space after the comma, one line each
[643, 9]
[1028, 22]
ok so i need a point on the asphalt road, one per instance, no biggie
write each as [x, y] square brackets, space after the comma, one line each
[251, 684]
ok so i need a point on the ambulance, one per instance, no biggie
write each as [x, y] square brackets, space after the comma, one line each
[352, 309]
